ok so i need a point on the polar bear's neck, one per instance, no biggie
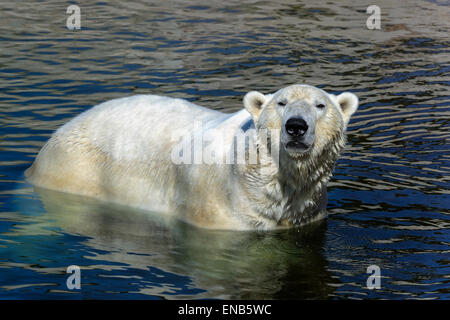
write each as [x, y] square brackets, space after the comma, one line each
[293, 190]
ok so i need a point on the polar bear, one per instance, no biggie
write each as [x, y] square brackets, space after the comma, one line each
[143, 151]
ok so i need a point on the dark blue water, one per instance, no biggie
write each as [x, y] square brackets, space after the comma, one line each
[388, 200]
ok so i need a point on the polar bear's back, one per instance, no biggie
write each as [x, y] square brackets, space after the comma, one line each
[123, 127]
[111, 150]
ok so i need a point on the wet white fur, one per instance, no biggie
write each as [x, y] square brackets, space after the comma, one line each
[120, 151]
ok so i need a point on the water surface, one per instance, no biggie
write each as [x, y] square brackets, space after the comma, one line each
[388, 200]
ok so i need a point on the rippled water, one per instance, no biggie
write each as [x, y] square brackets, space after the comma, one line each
[388, 200]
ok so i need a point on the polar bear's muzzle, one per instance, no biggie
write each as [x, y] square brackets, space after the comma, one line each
[298, 129]
[297, 135]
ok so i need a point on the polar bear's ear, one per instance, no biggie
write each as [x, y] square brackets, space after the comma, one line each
[253, 102]
[348, 102]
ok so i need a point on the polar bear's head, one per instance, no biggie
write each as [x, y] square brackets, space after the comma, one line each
[309, 120]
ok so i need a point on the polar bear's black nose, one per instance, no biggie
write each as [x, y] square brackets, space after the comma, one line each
[296, 127]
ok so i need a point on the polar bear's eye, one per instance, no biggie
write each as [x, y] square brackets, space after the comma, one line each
[282, 103]
[320, 106]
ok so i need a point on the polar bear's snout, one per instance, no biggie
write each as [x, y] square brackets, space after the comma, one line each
[298, 130]
[296, 127]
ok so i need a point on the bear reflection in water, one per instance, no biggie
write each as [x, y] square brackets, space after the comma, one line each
[226, 264]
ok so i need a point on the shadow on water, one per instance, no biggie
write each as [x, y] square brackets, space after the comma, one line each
[221, 264]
